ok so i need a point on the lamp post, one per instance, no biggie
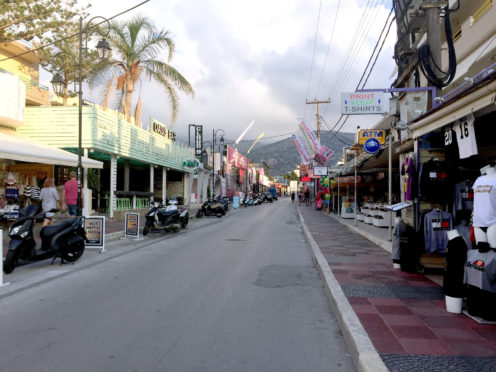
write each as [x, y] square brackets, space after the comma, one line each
[221, 141]
[207, 144]
[103, 48]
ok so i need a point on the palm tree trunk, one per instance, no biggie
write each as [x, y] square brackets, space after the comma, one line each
[129, 99]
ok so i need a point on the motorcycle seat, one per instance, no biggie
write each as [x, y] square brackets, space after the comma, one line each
[51, 230]
[168, 213]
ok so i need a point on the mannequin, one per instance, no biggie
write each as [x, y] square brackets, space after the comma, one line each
[456, 255]
[484, 216]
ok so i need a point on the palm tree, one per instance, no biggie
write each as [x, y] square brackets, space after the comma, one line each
[135, 47]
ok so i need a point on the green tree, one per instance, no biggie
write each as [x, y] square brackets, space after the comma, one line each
[27, 19]
[136, 44]
[64, 56]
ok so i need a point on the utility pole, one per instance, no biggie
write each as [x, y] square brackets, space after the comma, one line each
[318, 113]
[432, 12]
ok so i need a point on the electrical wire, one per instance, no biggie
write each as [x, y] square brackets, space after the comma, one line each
[328, 48]
[71, 36]
[313, 54]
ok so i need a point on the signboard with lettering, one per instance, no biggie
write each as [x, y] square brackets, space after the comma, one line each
[132, 225]
[159, 128]
[366, 103]
[198, 141]
[236, 159]
[365, 134]
[320, 171]
[94, 228]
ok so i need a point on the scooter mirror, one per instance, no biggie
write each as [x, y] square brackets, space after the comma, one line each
[53, 210]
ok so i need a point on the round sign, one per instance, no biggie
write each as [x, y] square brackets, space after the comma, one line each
[371, 146]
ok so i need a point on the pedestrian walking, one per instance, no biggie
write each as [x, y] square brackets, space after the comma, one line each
[292, 197]
[70, 194]
[307, 196]
[49, 198]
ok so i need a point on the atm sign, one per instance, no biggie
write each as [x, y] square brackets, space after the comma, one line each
[365, 134]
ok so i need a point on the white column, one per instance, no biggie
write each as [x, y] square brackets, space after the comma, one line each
[87, 201]
[206, 180]
[152, 168]
[188, 184]
[199, 186]
[164, 184]
[113, 184]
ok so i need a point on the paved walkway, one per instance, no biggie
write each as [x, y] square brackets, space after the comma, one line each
[403, 314]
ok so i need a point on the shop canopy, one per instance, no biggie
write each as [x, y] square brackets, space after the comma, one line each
[21, 148]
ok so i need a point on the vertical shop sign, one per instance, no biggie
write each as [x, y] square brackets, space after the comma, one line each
[132, 225]
[198, 141]
[94, 228]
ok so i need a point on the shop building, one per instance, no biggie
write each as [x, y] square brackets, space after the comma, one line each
[138, 163]
[24, 161]
[440, 147]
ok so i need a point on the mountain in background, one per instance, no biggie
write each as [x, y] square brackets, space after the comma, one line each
[283, 157]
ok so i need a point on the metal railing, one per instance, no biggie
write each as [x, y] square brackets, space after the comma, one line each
[31, 83]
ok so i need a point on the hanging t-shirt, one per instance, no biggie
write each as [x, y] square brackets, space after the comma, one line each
[435, 180]
[485, 201]
[408, 171]
[437, 223]
[464, 196]
[465, 136]
[450, 144]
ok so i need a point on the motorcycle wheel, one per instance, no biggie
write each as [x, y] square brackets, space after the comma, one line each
[219, 215]
[184, 222]
[146, 230]
[199, 214]
[11, 261]
[73, 253]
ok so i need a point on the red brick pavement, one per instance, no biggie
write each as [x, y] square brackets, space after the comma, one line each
[403, 314]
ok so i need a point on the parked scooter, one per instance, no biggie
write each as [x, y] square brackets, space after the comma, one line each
[224, 201]
[65, 239]
[211, 208]
[170, 218]
[267, 197]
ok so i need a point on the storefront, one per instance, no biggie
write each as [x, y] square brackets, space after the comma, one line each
[138, 163]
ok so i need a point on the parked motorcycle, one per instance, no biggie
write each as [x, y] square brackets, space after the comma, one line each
[65, 239]
[224, 201]
[267, 197]
[211, 208]
[169, 218]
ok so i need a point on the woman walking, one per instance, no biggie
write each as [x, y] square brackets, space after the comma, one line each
[49, 198]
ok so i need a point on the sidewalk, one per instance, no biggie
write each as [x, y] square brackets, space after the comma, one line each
[402, 315]
[114, 228]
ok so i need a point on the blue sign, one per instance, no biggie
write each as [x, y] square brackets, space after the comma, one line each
[371, 146]
[235, 202]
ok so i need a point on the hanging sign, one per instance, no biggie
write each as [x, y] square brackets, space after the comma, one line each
[94, 228]
[371, 146]
[356, 103]
[198, 141]
[320, 171]
[365, 134]
[132, 225]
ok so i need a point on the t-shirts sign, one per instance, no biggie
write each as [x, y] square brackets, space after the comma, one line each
[465, 136]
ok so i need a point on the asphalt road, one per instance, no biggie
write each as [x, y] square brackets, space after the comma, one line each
[241, 294]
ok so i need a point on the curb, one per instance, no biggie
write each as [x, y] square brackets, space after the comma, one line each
[365, 356]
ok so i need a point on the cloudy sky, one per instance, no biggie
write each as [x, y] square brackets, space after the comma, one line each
[261, 59]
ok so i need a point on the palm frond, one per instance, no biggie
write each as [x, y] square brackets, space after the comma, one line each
[170, 74]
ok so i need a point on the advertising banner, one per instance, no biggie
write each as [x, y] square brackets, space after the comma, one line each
[304, 146]
[303, 157]
[310, 135]
[132, 225]
[94, 228]
[236, 159]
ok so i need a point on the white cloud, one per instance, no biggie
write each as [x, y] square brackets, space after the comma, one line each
[251, 60]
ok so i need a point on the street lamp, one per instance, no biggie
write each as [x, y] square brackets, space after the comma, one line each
[207, 144]
[103, 48]
[221, 141]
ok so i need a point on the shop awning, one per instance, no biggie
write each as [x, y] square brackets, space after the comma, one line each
[470, 103]
[21, 148]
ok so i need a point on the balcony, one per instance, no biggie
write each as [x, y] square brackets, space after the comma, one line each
[36, 94]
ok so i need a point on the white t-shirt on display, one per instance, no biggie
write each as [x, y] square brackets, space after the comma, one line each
[485, 201]
[465, 136]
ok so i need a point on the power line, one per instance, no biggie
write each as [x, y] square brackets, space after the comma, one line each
[328, 48]
[314, 47]
[71, 36]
